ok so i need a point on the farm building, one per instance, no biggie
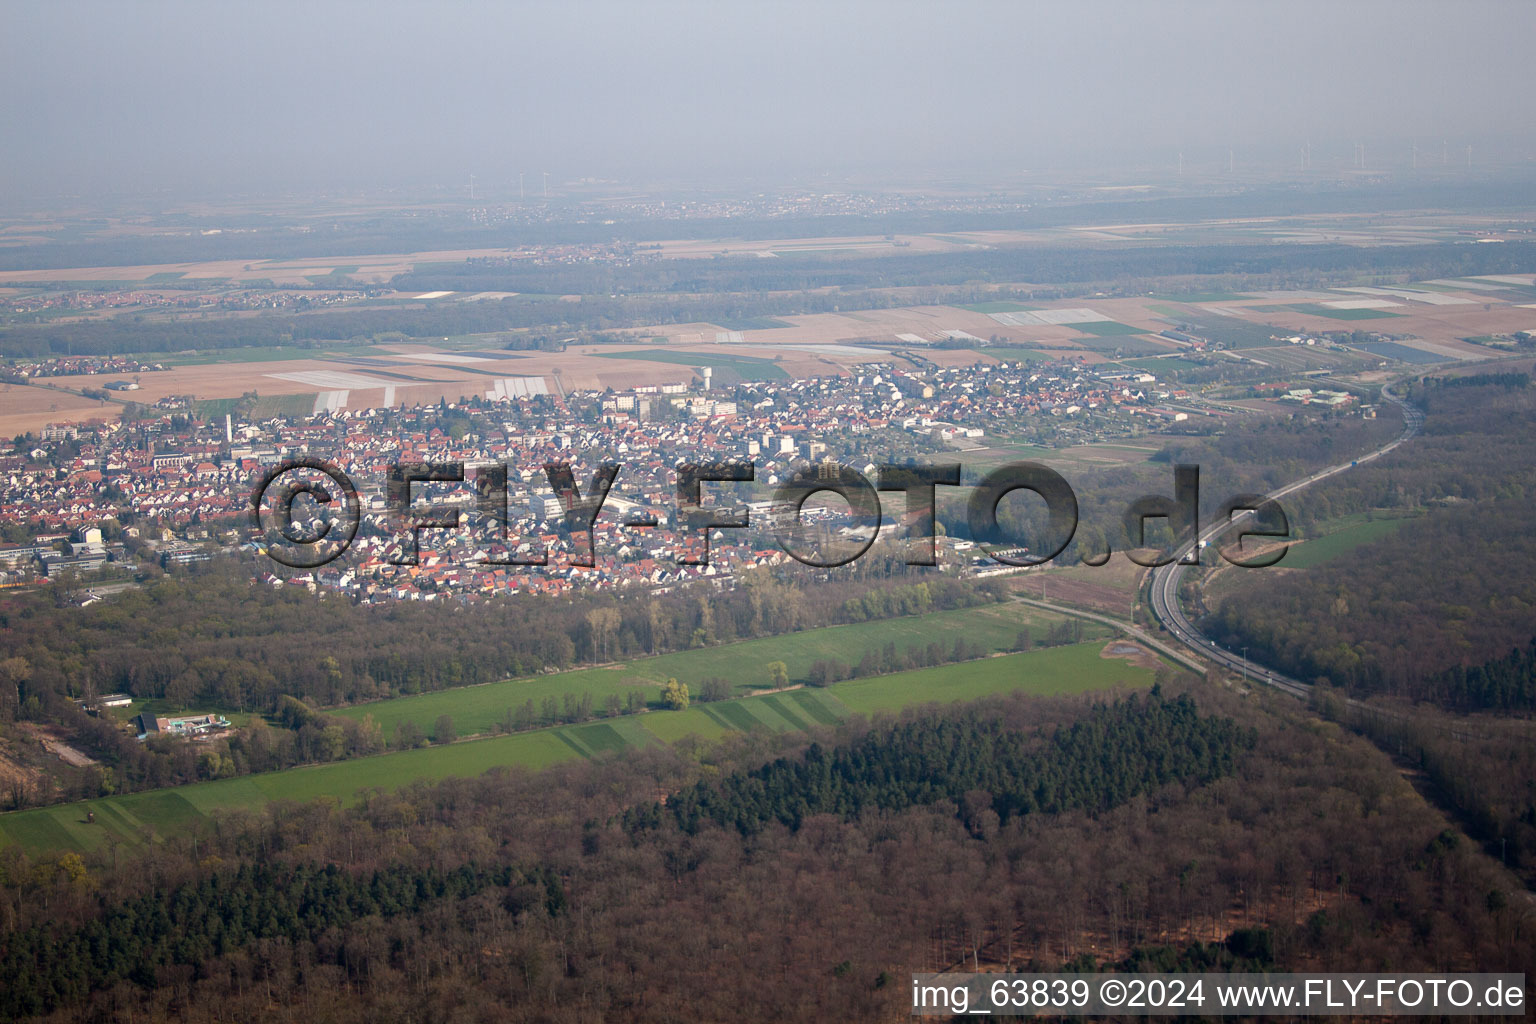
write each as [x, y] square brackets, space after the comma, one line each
[193, 726]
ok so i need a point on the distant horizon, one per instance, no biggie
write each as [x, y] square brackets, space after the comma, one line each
[104, 99]
[1204, 173]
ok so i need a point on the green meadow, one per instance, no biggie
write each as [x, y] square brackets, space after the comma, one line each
[1108, 329]
[299, 406]
[477, 709]
[745, 367]
[145, 817]
[1313, 309]
[265, 406]
[1351, 532]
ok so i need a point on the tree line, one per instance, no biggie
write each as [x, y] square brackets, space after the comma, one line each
[1117, 752]
[1503, 684]
[1058, 267]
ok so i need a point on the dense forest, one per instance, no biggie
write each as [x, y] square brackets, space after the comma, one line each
[190, 925]
[517, 897]
[1481, 768]
[1112, 755]
[1432, 610]
[1503, 684]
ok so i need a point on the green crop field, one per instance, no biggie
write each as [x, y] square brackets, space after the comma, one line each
[1231, 331]
[1073, 669]
[283, 405]
[1108, 328]
[141, 817]
[1124, 344]
[477, 709]
[214, 408]
[1159, 364]
[1313, 309]
[745, 367]
[264, 407]
[1353, 531]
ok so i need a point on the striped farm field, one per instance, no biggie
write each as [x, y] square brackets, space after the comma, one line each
[478, 709]
[142, 817]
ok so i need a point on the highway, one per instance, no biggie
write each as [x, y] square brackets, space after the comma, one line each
[1165, 579]
[1135, 632]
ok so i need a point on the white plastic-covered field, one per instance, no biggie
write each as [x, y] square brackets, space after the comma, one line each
[516, 387]
[331, 380]
[1050, 318]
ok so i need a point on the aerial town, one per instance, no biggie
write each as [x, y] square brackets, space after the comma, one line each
[174, 489]
[558, 513]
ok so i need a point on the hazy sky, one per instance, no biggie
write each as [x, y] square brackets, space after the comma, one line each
[213, 95]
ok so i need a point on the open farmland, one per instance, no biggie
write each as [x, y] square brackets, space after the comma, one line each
[395, 375]
[1108, 329]
[1123, 343]
[339, 376]
[140, 817]
[478, 709]
[1343, 313]
[1075, 669]
[744, 368]
[25, 407]
[1402, 353]
[371, 269]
